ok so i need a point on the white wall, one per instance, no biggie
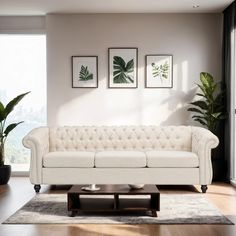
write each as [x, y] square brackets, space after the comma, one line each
[193, 39]
[22, 24]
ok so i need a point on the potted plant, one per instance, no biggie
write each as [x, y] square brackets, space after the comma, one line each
[5, 170]
[209, 111]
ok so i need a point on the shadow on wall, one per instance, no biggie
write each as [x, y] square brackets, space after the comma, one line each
[178, 103]
[125, 106]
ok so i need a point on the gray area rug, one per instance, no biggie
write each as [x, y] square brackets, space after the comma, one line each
[175, 209]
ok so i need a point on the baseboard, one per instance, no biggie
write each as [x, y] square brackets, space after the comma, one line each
[20, 173]
[233, 182]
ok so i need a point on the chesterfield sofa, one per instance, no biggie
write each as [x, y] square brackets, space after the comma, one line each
[162, 155]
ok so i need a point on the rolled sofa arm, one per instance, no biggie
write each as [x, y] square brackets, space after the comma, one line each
[37, 141]
[203, 141]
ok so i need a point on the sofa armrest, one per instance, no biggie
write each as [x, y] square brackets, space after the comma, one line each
[38, 142]
[203, 141]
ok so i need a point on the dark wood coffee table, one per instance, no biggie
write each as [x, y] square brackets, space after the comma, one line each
[116, 202]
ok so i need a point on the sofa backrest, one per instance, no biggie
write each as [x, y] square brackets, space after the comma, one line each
[120, 138]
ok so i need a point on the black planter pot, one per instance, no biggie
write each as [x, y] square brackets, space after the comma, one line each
[219, 170]
[218, 156]
[5, 173]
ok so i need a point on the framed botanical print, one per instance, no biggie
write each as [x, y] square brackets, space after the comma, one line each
[122, 66]
[159, 71]
[84, 71]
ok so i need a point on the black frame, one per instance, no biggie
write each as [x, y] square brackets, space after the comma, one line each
[136, 64]
[171, 69]
[72, 58]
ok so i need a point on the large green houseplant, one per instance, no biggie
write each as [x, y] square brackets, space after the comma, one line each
[209, 111]
[5, 170]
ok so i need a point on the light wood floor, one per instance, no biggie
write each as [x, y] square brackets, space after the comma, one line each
[19, 191]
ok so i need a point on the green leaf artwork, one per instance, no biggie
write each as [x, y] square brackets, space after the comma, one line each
[84, 74]
[160, 71]
[122, 73]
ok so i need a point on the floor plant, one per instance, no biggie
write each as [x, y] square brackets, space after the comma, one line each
[5, 129]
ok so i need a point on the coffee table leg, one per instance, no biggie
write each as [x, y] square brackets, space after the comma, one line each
[155, 202]
[73, 213]
[154, 213]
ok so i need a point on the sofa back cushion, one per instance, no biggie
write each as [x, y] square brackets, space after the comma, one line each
[99, 138]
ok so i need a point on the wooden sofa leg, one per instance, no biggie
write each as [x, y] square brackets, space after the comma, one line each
[204, 188]
[37, 188]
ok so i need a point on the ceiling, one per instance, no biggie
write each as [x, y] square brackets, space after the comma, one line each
[42, 7]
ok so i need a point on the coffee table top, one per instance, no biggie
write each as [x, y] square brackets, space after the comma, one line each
[116, 189]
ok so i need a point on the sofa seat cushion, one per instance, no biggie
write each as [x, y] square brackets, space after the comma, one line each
[69, 159]
[125, 159]
[171, 159]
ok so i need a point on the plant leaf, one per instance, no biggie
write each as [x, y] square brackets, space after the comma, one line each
[160, 71]
[84, 74]
[202, 104]
[10, 106]
[200, 94]
[2, 112]
[216, 115]
[199, 117]
[11, 127]
[130, 66]
[206, 79]
[193, 109]
[200, 121]
[122, 72]
[211, 108]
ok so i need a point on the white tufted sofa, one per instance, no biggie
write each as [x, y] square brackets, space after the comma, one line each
[120, 155]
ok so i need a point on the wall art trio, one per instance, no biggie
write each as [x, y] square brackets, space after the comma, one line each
[123, 70]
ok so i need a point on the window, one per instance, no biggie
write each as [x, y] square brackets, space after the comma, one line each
[22, 69]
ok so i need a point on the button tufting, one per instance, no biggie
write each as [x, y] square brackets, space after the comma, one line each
[153, 137]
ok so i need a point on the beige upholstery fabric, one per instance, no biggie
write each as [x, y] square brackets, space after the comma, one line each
[171, 159]
[197, 140]
[69, 159]
[38, 141]
[120, 138]
[120, 175]
[126, 159]
[202, 143]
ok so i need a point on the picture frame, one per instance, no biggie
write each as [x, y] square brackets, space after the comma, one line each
[123, 67]
[84, 71]
[159, 71]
